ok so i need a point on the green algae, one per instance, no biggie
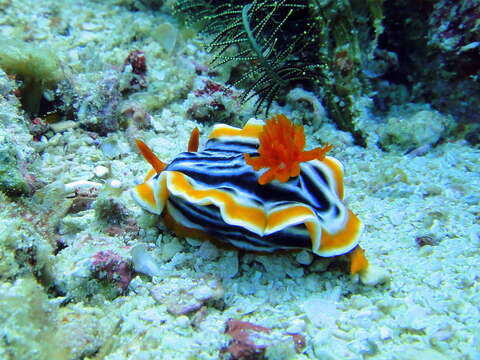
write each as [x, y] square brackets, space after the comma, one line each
[109, 211]
[36, 67]
[28, 321]
[23, 250]
[349, 32]
[11, 180]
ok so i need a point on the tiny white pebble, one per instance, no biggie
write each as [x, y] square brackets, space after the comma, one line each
[374, 275]
[385, 333]
[296, 326]
[82, 185]
[304, 257]
[183, 321]
[203, 293]
[115, 184]
[100, 171]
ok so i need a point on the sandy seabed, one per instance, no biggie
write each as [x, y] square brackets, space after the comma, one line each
[420, 213]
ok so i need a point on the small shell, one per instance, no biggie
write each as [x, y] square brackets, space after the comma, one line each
[100, 171]
[115, 184]
[143, 262]
[82, 185]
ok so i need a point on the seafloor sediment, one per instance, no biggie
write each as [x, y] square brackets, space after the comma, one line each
[86, 274]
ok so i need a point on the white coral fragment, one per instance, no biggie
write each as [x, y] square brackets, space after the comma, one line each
[374, 275]
[143, 262]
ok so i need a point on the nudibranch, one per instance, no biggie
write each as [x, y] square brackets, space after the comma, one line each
[257, 189]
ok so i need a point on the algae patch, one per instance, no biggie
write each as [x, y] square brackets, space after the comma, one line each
[36, 67]
[11, 179]
[28, 319]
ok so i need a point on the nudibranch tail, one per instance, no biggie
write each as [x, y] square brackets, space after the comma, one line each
[358, 261]
[281, 150]
[148, 154]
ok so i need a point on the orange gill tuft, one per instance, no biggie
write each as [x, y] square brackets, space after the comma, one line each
[281, 150]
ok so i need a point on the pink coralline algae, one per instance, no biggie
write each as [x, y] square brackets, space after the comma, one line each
[211, 88]
[138, 66]
[112, 267]
[242, 345]
[210, 102]
[138, 62]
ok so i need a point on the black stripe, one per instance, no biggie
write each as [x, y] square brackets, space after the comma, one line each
[215, 169]
[210, 220]
[313, 187]
[231, 146]
[233, 172]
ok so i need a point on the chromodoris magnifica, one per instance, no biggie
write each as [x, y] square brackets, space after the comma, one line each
[256, 189]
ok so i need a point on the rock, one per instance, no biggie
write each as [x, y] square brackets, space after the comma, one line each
[28, 319]
[107, 265]
[229, 264]
[110, 211]
[296, 326]
[315, 114]
[83, 329]
[374, 275]
[143, 262]
[166, 35]
[11, 180]
[83, 186]
[171, 248]
[411, 128]
[61, 126]
[304, 257]
[183, 296]
[321, 312]
[208, 251]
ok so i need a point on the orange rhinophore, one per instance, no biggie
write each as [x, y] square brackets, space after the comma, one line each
[194, 140]
[148, 154]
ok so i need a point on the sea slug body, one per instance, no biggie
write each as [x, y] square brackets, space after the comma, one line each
[256, 189]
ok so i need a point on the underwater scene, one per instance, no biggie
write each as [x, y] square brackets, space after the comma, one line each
[239, 180]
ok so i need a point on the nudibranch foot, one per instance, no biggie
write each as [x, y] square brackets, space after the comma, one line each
[257, 189]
